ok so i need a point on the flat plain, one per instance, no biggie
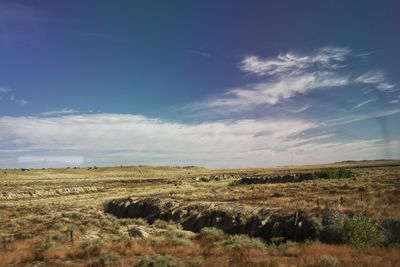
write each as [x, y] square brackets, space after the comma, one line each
[57, 217]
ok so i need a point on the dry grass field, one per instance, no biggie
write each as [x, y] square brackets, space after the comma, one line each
[56, 217]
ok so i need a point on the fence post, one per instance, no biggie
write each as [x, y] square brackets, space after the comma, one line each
[71, 236]
[4, 244]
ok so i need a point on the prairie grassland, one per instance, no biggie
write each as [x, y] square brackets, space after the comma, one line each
[46, 227]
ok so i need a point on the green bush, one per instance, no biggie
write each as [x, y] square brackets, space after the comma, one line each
[333, 174]
[362, 232]
[333, 229]
[211, 235]
[358, 231]
[158, 260]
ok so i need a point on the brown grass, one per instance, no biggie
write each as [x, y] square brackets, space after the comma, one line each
[30, 223]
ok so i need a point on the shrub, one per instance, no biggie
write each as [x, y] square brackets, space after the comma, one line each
[166, 225]
[362, 232]
[178, 242]
[60, 237]
[136, 221]
[278, 240]
[278, 194]
[93, 244]
[333, 174]
[175, 234]
[328, 261]
[243, 241]
[161, 224]
[41, 250]
[109, 259]
[57, 226]
[333, 229]
[211, 235]
[357, 231]
[158, 260]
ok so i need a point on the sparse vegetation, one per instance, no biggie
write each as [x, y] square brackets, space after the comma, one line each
[109, 259]
[211, 236]
[243, 241]
[159, 261]
[328, 261]
[37, 227]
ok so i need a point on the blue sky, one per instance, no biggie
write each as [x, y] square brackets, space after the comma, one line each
[217, 84]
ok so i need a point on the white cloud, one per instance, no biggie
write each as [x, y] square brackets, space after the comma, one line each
[364, 103]
[386, 87]
[394, 101]
[272, 92]
[292, 63]
[116, 137]
[64, 111]
[50, 160]
[376, 78]
[371, 77]
[301, 109]
[121, 139]
[289, 75]
[365, 54]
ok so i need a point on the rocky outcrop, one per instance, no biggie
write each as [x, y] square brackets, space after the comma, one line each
[286, 178]
[297, 226]
[216, 177]
[48, 192]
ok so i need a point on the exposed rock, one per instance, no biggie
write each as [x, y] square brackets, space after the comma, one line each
[193, 217]
[215, 177]
[286, 178]
[48, 192]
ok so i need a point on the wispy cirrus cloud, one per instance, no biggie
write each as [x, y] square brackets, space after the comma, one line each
[376, 78]
[200, 53]
[293, 63]
[301, 109]
[293, 74]
[364, 103]
[360, 117]
[272, 92]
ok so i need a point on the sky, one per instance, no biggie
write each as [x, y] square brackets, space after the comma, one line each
[220, 84]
